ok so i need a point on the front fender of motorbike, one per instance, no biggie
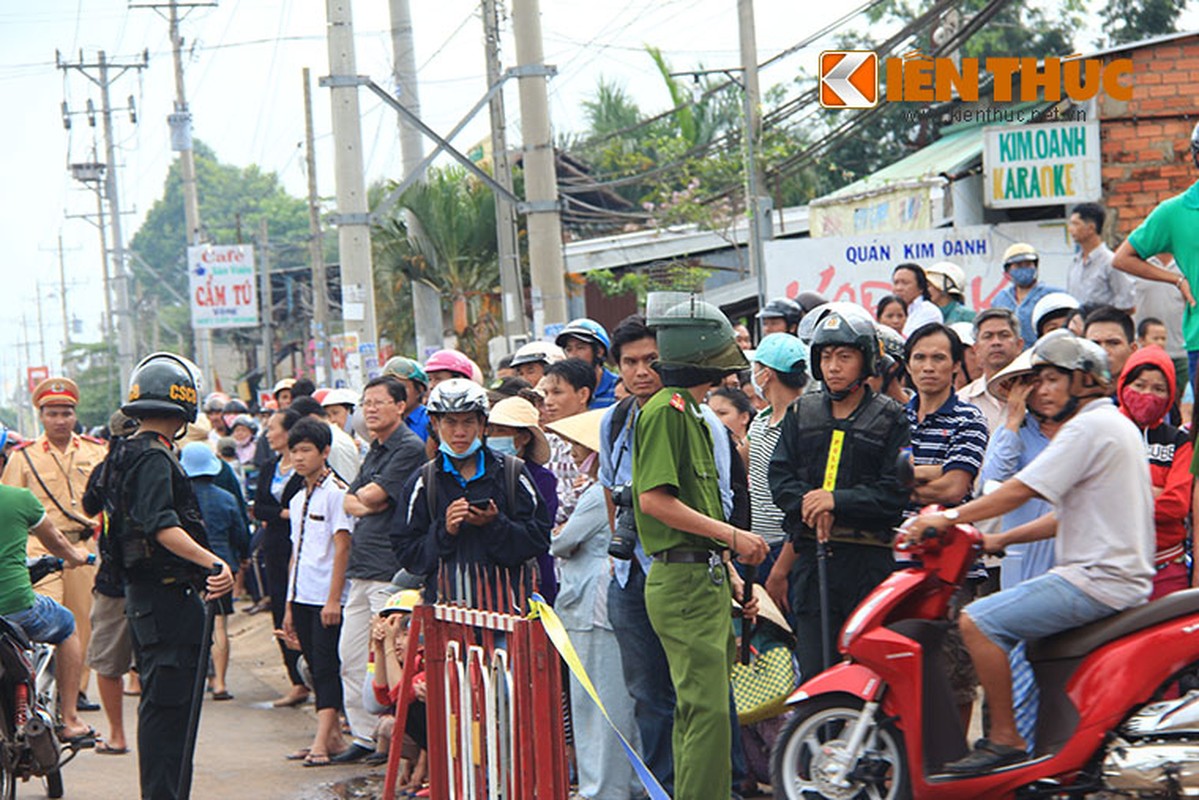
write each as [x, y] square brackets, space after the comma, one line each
[844, 678]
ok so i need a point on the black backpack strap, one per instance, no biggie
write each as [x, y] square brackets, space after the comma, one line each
[620, 418]
[429, 477]
[513, 468]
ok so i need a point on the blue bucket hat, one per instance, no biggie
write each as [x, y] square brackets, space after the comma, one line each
[197, 459]
[783, 352]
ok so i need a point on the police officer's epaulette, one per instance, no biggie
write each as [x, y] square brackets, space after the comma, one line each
[677, 402]
[23, 445]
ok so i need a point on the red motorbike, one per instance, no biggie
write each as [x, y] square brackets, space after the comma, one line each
[1119, 707]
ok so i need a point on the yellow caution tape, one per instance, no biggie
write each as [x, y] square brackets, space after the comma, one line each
[554, 629]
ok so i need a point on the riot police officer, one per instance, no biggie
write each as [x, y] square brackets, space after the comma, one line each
[158, 535]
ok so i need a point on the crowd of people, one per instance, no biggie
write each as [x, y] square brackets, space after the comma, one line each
[641, 480]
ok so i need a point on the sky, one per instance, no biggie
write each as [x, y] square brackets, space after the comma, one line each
[243, 65]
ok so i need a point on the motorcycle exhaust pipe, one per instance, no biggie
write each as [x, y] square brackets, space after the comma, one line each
[42, 743]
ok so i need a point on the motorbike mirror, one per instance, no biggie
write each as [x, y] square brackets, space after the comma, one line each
[904, 469]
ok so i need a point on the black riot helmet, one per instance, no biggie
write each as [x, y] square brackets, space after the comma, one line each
[838, 330]
[785, 309]
[162, 385]
[809, 300]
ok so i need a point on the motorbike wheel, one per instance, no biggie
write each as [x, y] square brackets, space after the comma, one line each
[816, 731]
[54, 787]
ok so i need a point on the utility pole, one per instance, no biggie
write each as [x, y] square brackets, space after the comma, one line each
[180, 122]
[547, 266]
[353, 219]
[426, 301]
[316, 249]
[757, 208]
[515, 323]
[41, 327]
[103, 78]
[264, 276]
[62, 296]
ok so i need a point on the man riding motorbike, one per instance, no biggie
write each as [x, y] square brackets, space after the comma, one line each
[1095, 475]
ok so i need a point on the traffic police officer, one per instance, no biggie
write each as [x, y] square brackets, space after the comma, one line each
[55, 467]
[834, 475]
[680, 521]
[157, 530]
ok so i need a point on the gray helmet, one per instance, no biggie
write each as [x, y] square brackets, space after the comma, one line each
[807, 327]
[1064, 350]
[537, 353]
[838, 330]
[782, 308]
[693, 333]
[458, 396]
[809, 300]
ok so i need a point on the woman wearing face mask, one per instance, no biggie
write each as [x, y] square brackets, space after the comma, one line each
[512, 430]
[581, 547]
[1146, 391]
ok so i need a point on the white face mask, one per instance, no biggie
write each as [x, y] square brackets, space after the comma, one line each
[753, 380]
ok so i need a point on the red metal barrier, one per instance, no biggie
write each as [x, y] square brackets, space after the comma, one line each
[494, 704]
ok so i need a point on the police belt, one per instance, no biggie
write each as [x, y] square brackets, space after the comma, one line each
[846, 535]
[686, 555]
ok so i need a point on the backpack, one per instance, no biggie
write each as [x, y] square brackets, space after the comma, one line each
[513, 467]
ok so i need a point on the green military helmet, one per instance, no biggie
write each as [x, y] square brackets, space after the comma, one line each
[407, 369]
[163, 384]
[693, 333]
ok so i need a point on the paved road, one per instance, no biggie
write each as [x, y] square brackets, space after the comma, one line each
[241, 743]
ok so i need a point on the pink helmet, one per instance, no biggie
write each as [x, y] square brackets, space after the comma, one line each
[451, 361]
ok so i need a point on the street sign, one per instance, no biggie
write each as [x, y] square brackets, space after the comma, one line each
[1041, 165]
[36, 375]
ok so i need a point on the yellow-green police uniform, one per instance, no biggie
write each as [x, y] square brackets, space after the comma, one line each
[688, 600]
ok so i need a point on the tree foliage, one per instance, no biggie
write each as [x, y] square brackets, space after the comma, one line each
[1127, 21]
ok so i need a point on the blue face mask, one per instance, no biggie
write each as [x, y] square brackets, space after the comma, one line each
[475, 444]
[502, 445]
[1023, 276]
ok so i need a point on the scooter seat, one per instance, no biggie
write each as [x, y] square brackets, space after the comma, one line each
[10, 628]
[1081, 641]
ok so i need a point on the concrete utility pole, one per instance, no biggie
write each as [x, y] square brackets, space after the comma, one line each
[515, 323]
[62, 297]
[103, 79]
[757, 208]
[316, 251]
[353, 219]
[547, 266]
[264, 276]
[426, 301]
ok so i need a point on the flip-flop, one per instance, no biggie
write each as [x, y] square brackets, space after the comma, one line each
[104, 749]
[222, 695]
[317, 760]
[79, 739]
[298, 755]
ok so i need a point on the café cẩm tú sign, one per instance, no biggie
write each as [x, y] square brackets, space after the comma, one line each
[1041, 165]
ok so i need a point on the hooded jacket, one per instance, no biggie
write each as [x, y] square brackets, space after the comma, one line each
[1169, 450]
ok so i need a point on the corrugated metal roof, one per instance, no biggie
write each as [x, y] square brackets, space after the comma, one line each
[946, 154]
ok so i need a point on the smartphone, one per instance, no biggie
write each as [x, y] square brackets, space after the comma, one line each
[481, 505]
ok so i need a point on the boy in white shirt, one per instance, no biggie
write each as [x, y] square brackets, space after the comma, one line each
[316, 587]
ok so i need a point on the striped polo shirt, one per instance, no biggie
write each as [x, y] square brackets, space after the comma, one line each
[767, 517]
[952, 437]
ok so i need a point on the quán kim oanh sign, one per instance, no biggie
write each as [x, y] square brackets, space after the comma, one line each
[1041, 165]
[222, 287]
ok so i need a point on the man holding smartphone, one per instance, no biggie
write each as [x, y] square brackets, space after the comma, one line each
[468, 506]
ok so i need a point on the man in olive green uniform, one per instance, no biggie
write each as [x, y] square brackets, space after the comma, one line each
[680, 521]
[55, 467]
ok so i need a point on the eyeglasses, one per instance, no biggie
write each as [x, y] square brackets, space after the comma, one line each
[377, 403]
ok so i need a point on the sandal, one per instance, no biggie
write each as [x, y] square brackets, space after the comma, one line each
[85, 739]
[298, 755]
[222, 695]
[317, 760]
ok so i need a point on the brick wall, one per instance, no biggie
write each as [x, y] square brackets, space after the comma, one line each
[1145, 142]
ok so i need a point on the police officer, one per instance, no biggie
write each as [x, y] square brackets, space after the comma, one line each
[158, 533]
[833, 474]
[680, 522]
[780, 315]
[55, 467]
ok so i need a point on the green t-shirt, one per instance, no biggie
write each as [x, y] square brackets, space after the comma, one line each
[672, 447]
[956, 312]
[1173, 227]
[19, 511]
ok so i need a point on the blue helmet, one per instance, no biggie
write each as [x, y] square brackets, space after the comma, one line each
[589, 331]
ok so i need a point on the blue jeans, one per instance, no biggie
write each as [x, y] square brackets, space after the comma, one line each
[45, 621]
[646, 674]
[1035, 609]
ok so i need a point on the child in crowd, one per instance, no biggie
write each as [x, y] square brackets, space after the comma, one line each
[389, 640]
[316, 588]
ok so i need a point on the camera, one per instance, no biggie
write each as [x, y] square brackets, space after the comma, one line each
[624, 538]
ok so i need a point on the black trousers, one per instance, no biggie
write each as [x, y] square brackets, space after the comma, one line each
[166, 623]
[277, 553]
[853, 572]
[319, 645]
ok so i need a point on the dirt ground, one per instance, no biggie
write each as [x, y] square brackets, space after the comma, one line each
[241, 745]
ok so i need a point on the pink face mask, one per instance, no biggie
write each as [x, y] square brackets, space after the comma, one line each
[1144, 408]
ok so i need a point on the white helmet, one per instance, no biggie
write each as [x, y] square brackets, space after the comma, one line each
[457, 396]
[538, 352]
[948, 277]
[1051, 304]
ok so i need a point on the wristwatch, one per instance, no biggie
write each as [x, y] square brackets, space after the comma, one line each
[951, 514]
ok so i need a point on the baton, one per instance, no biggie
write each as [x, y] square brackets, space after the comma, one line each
[193, 720]
[747, 628]
[822, 576]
